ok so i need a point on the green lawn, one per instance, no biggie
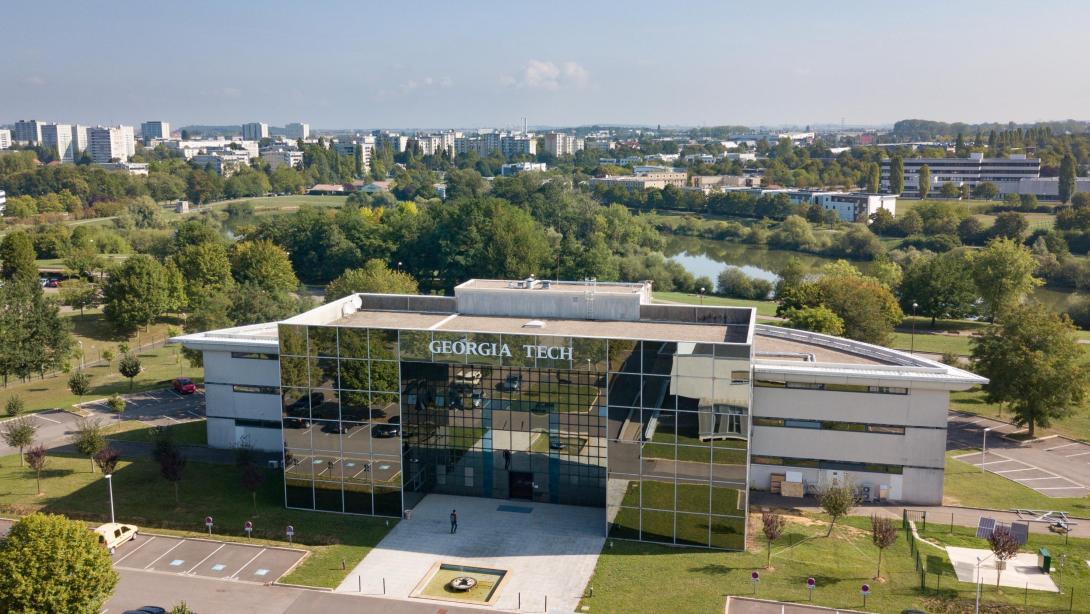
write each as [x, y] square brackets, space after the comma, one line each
[1076, 426]
[143, 498]
[764, 308]
[194, 433]
[274, 204]
[937, 343]
[694, 580]
[965, 485]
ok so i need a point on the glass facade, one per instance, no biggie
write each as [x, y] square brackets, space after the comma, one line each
[655, 433]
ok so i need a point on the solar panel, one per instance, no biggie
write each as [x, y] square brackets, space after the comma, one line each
[1020, 532]
[985, 527]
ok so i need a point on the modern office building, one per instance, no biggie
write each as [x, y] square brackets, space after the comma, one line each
[109, 144]
[5, 139]
[255, 131]
[515, 168]
[282, 155]
[1005, 173]
[559, 144]
[154, 130]
[59, 137]
[28, 131]
[582, 393]
[297, 131]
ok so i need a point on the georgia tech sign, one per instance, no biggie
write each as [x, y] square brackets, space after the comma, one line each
[472, 348]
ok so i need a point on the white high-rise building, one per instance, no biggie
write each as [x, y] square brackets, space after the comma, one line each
[28, 131]
[5, 139]
[297, 131]
[154, 130]
[255, 131]
[111, 143]
[559, 144]
[79, 139]
[59, 137]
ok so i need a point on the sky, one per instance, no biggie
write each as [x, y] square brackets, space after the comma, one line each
[464, 63]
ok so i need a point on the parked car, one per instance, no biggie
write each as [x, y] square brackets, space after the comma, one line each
[296, 423]
[53, 282]
[556, 443]
[336, 427]
[184, 385]
[385, 431]
[148, 609]
[478, 398]
[113, 534]
[512, 383]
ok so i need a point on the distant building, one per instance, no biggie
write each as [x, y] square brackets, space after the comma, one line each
[192, 148]
[255, 131]
[59, 138]
[79, 138]
[1044, 188]
[282, 155]
[741, 156]
[224, 161]
[1005, 173]
[326, 188]
[672, 177]
[508, 170]
[559, 144]
[630, 182]
[297, 131]
[154, 130]
[3, 201]
[391, 141]
[132, 168]
[110, 144]
[5, 139]
[28, 131]
[376, 186]
[484, 143]
[849, 206]
[598, 144]
[706, 182]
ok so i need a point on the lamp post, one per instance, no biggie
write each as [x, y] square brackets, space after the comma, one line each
[978, 562]
[702, 291]
[984, 448]
[912, 343]
[81, 356]
[110, 487]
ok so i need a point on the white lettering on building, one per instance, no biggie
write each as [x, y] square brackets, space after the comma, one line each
[472, 348]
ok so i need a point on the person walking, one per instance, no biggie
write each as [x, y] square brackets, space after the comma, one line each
[453, 521]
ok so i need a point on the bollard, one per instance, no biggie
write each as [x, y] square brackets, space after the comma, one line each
[383, 585]
[520, 600]
[359, 584]
[546, 603]
[342, 564]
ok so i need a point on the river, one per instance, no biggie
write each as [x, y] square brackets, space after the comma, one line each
[708, 257]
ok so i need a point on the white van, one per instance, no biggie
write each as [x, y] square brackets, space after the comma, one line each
[112, 534]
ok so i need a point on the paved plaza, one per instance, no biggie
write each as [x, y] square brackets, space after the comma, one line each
[1021, 571]
[548, 551]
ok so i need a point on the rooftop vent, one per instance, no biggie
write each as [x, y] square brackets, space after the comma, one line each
[534, 324]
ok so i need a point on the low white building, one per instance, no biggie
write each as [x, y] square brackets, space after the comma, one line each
[5, 139]
[225, 162]
[282, 155]
[523, 167]
[132, 168]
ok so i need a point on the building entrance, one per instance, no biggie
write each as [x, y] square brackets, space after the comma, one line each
[520, 485]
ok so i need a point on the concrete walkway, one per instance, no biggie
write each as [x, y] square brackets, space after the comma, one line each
[548, 551]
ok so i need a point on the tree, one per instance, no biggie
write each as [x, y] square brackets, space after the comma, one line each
[942, 286]
[819, 319]
[867, 308]
[263, 264]
[129, 366]
[107, 459]
[252, 479]
[17, 257]
[170, 458]
[19, 433]
[1003, 274]
[986, 190]
[136, 292]
[1010, 225]
[37, 459]
[791, 275]
[79, 294]
[925, 181]
[89, 439]
[836, 500]
[882, 534]
[874, 177]
[735, 283]
[950, 190]
[14, 406]
[897, 175]
[206, 269]
[108, 356]
[116, 402]
[373, 276]
[1004, 547]
[772, 525]
[49, 563]
[1067, 178]
[1034, 363]
[79, 383]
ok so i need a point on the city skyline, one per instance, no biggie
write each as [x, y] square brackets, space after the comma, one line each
[490, 64]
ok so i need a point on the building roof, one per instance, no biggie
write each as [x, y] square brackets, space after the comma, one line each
[598, 287]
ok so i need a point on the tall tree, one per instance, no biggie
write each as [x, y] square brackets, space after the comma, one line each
[129, 366]
[89, 439]
[49, 563]
[17, 257]
[37, 458]
[1034, 364]
[772, 526]
[137, 292]
[1003, 273]
[375, 277]
[19, 433]
[882, 534]
[897, 175]
[206, 269]
[942, 286]
[874, 177]
[925, 181]
[264, 264]
[1067, 178]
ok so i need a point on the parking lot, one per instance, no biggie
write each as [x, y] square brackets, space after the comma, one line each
[206, 558]
[157, 407]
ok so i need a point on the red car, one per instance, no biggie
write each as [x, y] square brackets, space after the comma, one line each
[184, 385]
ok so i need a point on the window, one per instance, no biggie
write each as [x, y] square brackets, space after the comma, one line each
[829, 425]
[256, 389]
[260, 424]
[764, 383]
[254, 355]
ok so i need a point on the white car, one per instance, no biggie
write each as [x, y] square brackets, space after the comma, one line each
[113, 534]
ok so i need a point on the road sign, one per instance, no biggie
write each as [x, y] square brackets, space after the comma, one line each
[865, 589]
[208, 523]
[755, 577]
[810, 584]
[291, 533]
[249, 527]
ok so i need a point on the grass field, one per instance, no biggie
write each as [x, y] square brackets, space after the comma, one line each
[925, 342]
[143, 498]
[193, 433]
[690, 580]
[1076, 426]
[764, 308]
[965, 485]
[268, 204]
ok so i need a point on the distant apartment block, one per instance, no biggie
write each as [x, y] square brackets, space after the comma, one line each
[855, 207]
[111, 144]
[485, 143]
[154, 130]
[559, 144]
[522, 167]
[132, 168]
[365, 145]
[225, 161]
[1005, 173]
[79, 138]
[59, 138]
[297, 131]
[714, 182]
[5, 139]
[191, 148]
[629, 182]
[255, 131]
[391, 141]
[599, 144]
[282, 155]
[28, 131]
[3, 201]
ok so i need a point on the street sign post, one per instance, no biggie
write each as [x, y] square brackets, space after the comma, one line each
[810, 584]
[208, 524]
[291, 533]
[755, 578]
[866, 591]
[249, 527]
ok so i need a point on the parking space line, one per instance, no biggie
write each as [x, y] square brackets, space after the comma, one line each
[149, 540]
[1062, 488]
[180, 542]
[1074, 455]
[1066, 445]
[1006, 460]
[47, 419]
[235, 575]
[205, 558]
[1051, 477]
[1014, 470]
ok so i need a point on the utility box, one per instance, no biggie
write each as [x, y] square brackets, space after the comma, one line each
[1044, 560]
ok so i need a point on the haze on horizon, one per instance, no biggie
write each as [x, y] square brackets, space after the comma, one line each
[342, 64]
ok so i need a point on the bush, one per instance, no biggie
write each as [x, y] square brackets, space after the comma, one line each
[733, 282]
